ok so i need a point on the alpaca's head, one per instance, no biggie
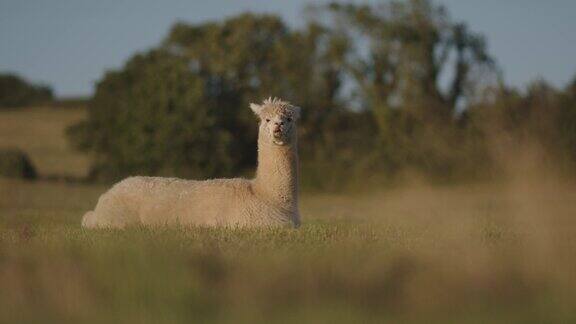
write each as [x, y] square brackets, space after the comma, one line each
[277, 121]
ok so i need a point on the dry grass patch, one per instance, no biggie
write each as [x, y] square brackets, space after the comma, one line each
[39, 131]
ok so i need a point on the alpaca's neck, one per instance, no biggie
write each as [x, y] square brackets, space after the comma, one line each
[277, 172]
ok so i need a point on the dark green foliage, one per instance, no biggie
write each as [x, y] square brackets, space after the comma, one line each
[401, 50]
[384, 88]
[16, 164]
[204, 76]
[16, 92]
[154, 118]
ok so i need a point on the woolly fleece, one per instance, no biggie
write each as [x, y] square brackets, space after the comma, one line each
[270, 199]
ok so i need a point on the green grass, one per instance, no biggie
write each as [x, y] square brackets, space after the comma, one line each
[467, 254]
[459, 254]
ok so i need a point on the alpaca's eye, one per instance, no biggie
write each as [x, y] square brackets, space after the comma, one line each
[267, 120]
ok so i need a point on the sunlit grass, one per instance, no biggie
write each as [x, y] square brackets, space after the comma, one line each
[39, 131]
[457, 254]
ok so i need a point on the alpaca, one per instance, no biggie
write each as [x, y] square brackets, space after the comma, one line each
[270, 199]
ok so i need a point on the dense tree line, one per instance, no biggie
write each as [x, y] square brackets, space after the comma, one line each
[17, 92]
[383, 88]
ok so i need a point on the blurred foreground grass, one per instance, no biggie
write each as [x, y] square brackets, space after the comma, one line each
[469, 254]
[415, 255]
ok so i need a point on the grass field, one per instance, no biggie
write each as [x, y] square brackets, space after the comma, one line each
[463, 254]
[39, 131]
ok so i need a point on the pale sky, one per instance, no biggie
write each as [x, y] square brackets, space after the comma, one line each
[69, 44]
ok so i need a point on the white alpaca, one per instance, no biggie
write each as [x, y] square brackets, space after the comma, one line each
[271, 199]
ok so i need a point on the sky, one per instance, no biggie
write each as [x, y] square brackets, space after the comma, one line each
[69, 44]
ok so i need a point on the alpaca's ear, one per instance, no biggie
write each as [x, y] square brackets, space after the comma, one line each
[256, 108]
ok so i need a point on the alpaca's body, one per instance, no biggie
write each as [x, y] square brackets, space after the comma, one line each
[271, 199]
[169, 201]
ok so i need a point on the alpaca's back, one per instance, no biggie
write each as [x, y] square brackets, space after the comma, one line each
[158, 201]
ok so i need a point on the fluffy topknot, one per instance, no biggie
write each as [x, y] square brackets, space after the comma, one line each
[275, 101]
[275, 105]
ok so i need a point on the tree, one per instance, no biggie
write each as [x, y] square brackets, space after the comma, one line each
[250, 57]
[402, 50]
[154, 117]
[17, 92]
[369, 80]
[399, 56]
[237, 61]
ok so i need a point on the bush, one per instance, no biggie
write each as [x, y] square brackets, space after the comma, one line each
[16, 92]
[152, 118]
[16, 164]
